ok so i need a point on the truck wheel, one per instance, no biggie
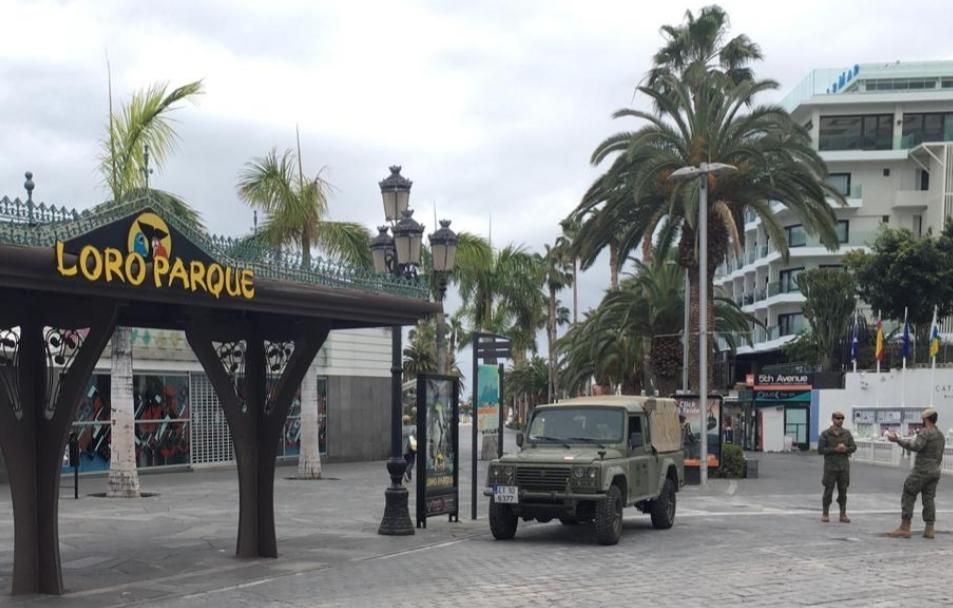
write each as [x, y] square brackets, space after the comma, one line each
[609, 517]
[663, 507]
[502, 521]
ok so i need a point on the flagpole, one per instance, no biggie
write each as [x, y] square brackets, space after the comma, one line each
[903, 372]
[853, 342]
[933, 329]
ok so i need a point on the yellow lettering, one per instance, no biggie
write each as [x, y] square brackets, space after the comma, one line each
[138, 276]
[160, 268]
[179, 272]
[236, 289]
[86, 254]
[216, 284]
[113, 264]
[248, 284]
[197, 275]
[60, 266]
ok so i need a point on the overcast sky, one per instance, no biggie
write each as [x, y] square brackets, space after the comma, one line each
[491, 107]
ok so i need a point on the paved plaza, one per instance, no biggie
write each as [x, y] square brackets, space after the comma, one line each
[738, 543]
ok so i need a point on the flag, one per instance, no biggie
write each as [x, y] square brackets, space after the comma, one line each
[854, 341]
[907, 351]
[934, 336]
[879, 344]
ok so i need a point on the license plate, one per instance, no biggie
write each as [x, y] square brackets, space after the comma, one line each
[506, 494]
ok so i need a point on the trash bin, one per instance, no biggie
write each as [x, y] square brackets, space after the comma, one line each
[751, 469]
[789, 443]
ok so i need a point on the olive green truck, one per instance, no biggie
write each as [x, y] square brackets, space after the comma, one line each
[584, 460]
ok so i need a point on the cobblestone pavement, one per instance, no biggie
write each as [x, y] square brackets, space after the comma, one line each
[737, 543]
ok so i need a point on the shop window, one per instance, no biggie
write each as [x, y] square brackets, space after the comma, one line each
[93, 426]
[162, 420]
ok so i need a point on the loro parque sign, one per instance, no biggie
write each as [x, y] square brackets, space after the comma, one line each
[144, 250]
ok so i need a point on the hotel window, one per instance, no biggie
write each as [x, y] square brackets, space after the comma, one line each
[797, 237]
[840, 182]
[790, 324]
[788, 279]
[924, 180]
[874, 132]
[843, 231]
[919, 128]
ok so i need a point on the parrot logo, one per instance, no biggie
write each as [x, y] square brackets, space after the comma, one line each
[149, 237]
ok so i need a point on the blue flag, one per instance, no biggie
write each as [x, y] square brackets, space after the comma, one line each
[906, 340]
[854, 341]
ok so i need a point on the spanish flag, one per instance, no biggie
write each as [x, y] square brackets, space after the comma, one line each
[879, 345]
[934, 336]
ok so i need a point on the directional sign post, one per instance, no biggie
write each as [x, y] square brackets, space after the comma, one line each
[487, 348]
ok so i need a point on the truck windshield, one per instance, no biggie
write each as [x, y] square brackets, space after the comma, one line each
[577, 425]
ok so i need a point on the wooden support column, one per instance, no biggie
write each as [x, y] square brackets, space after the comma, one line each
[38, 401]
[256, 415]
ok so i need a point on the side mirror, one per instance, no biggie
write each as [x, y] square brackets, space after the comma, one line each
[519, 440]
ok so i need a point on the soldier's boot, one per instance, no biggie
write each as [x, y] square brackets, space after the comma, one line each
[825, 517]
[903, 531]
[843, 517]
[928, 532]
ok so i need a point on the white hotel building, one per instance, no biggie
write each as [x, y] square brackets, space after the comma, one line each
[886, 133]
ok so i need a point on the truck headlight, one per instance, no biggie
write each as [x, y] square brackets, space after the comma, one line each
[584, 475]
[508, 475]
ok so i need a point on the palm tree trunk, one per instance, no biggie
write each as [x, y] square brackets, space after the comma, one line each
[123, 475]
[305, 249]
[551, 339]
[575, 292]
[309, 458]
[613, 264]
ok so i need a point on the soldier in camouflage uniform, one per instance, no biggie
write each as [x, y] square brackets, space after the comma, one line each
[836, 444]
[928, 444]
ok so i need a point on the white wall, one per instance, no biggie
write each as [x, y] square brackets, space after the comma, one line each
[772, 428]
[356, 352]
[886, 390]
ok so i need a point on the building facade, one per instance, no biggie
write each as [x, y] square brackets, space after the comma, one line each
[886, 134]
[180, 423]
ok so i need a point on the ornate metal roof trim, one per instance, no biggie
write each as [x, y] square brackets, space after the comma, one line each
[28, 224]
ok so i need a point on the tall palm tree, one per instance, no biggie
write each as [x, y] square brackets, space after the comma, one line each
[698, 50]
[556, 275]
[295, 206]
[564, 242]
[708, 123]
[142, 123]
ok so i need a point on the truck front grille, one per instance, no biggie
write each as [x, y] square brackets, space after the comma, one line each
[541, 479]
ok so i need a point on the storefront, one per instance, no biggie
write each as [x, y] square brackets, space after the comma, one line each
[178, 423]
[782, 410]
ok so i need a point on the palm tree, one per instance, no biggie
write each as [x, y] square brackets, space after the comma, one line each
[504, 297]
[632, 340]
[142, 126]
[564, 242]
[556, 277]
[296, 208]
[708, 123]
[696, 51]
[420, 356]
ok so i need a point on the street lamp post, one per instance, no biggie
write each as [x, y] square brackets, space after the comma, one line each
[701, 173]
[443, 253]
[399, 255]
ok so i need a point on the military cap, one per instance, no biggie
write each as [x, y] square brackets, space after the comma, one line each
[928, 412]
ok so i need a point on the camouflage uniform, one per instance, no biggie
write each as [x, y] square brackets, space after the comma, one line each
[836, 465]
[928, 445]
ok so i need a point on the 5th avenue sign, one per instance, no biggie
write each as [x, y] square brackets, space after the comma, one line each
[784, 381]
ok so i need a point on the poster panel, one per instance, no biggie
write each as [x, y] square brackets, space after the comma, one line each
[688, 406]
[437, 447]
[488, 398]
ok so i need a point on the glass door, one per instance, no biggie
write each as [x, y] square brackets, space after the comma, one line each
[796, 425]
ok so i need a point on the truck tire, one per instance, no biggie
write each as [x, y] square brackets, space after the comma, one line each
[609, 517]
[503, 521]
[663, 507]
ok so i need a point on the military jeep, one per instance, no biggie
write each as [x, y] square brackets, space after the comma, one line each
[583, 460]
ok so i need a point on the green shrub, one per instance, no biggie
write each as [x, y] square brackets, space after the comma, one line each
[732, 462]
